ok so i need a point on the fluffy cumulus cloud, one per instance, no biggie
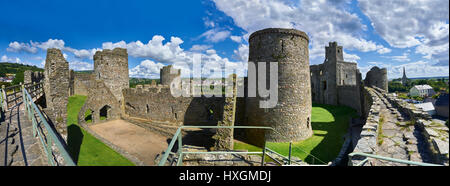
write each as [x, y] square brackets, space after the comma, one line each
[412, 23]
[79, 65]
[146, 69]
[336, 24]
[5, 58]
[17, 47]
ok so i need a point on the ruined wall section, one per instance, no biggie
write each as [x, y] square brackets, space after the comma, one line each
[291, 117]
[81, 83]
[377, 77]
[100, 102]
[111, 66]
[56, 88]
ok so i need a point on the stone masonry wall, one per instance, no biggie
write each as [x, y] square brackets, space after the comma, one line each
[291, 117]
[32, 77]
[111, 66]
[156, 103]
[101, 102]
[224, 139]
[377, 77]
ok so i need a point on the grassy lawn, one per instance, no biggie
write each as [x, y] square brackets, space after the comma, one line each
[85, 148]
[329, 123]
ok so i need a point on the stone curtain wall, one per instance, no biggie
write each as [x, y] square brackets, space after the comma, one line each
[32, 77]
[291, 118]
[349, 95]
[368, 141]
[377, 77]
[56, 88]
[81, 83]
[156, 103]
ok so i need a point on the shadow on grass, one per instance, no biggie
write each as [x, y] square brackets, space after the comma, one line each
[333, 137]
[74, 141]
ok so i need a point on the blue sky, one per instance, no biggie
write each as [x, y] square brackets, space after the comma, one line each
[391, 34]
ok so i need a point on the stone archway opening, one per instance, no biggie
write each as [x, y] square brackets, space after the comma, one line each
[88, 116]
[105, 112]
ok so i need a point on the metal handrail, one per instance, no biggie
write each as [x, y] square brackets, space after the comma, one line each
[384, 158]
[178, 137]
[51, 137]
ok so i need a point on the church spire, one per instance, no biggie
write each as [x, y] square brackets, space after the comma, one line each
[404, 78]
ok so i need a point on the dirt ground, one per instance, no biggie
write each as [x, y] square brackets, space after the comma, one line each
[139, 142]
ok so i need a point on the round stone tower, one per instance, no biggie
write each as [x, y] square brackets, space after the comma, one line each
[291, 117]
[111, 66]
[377, 77]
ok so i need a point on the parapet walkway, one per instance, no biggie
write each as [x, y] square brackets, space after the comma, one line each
[399, 137]
[18, 146]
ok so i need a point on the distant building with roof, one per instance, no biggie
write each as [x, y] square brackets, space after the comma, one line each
[427, 107]
[422, 90]
[441, 105]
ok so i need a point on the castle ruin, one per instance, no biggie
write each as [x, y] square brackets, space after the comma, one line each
[336, 82]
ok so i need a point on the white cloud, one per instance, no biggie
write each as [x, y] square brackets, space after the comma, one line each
[85, 54]
[384, 50]
[17, 47]
[351, 57]
[5, 58]
[241, 54]
[403, 58]
[408, 23]
[146, 69]
[215, 35]
[80, 65]
[237, 39]
[200, 47]
[336, 24]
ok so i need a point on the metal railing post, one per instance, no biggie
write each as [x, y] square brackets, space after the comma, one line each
[180, 150]
[264, 152]
[290, 152]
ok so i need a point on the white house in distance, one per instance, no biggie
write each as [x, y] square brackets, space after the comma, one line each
[422, 90]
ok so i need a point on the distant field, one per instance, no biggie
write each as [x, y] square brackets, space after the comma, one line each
[85, 148]
[329, 123]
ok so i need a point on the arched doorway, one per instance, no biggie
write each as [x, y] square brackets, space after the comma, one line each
[88, 116]
[105, 112]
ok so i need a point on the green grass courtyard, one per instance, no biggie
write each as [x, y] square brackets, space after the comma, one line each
[85, 148]
[329, 124]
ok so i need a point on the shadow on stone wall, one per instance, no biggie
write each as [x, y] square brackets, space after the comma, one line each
[203, 111]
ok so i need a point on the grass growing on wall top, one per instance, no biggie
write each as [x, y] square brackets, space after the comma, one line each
[86, 150]
[329, 124]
